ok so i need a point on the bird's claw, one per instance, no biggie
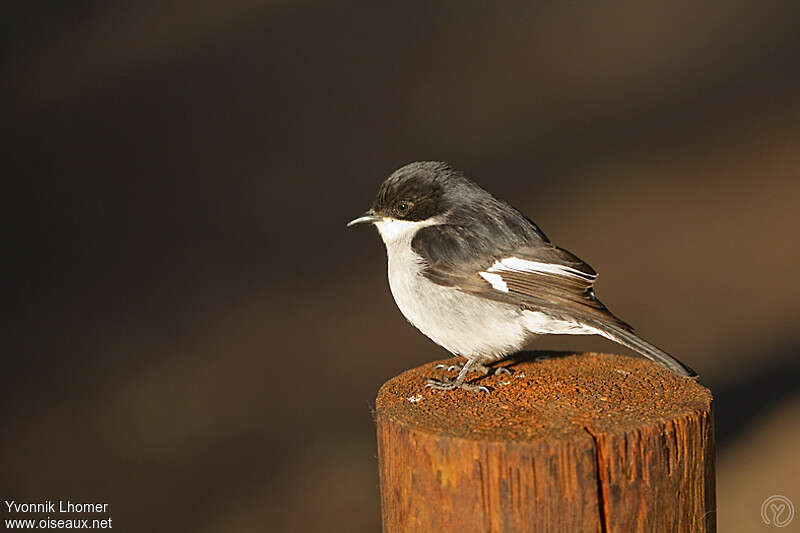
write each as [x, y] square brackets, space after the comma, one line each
[486, 370]
[446, 385]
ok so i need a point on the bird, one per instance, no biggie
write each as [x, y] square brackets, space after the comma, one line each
[480, 278]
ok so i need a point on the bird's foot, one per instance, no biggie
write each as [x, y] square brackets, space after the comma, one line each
[483, 369]
[449, 368]
[446, 384]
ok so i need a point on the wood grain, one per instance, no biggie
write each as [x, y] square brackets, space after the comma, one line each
[571, 443]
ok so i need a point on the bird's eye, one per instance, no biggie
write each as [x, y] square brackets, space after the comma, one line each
[403, 207]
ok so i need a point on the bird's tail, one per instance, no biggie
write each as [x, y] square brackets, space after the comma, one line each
[629, 339]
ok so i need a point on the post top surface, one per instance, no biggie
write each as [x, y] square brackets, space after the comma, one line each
[559, 397]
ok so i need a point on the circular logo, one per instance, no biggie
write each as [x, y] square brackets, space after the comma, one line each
[777, 510]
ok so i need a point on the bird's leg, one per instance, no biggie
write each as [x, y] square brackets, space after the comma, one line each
[479, 367]
[458, 383]
[456, 366]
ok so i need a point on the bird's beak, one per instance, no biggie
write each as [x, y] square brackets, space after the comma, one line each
[368, 218]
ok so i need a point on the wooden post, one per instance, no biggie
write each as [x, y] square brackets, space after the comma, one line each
[591, 442]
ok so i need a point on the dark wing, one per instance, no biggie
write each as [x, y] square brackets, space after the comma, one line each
[533, 274]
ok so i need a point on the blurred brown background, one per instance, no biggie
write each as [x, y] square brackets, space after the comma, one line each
[193, 337]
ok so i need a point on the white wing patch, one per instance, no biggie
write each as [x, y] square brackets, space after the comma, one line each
[495, 280]
[515, 264]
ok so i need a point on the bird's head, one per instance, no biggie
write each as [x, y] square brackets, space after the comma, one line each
[413, 196]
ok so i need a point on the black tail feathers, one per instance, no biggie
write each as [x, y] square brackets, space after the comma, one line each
[636, 343]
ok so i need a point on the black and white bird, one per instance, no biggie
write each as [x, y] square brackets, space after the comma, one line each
[479, 278]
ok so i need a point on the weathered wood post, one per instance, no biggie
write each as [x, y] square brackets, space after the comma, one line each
[592, 442]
